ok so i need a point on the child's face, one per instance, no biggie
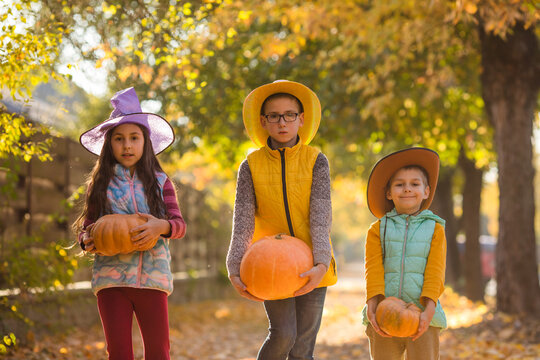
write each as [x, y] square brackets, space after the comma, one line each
[127, 142]
[283, 133]
[408, 189]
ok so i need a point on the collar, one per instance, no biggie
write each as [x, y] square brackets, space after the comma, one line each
[289, 151]
[123, 173]
[421, 216]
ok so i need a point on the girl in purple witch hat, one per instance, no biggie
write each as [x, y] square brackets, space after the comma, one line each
[128, 179]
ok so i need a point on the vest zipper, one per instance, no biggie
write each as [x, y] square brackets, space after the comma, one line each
[403, 256]
[139, 265]
[284, 183]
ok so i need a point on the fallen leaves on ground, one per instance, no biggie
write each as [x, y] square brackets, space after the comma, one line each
[497, 336]
[476, 331]
[234, 329]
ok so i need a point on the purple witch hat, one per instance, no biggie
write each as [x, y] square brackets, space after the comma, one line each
[127, 109]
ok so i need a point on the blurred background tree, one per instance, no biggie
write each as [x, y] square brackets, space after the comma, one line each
[29, 51]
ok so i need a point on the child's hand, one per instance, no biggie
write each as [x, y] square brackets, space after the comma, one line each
[315, 275]
[425, 318]
[372, 304]
[241, 288]
[88, 241]
[153, 227]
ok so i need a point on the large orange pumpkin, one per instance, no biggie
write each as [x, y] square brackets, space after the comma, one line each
[271, 266]
[111, 234]
[397, 318]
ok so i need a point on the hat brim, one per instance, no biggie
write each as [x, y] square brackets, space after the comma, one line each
[161, 132]
[252, 110]
[383, 170]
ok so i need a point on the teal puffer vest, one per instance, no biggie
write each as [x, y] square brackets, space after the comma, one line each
[406, 242]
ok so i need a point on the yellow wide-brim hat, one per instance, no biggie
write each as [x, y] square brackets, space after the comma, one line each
[252, 110]
[385, 168]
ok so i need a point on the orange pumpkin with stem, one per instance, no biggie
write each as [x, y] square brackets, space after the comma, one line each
[397, 318]
[111, 234]
[271, 266]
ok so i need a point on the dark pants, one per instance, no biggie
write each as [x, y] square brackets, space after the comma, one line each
[116, 307]
[294, 324]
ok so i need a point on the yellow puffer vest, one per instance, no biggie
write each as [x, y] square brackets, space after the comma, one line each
[282, 180]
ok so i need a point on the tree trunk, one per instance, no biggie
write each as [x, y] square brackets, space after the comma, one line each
[474, 285]
[510, 82]
[443, 205]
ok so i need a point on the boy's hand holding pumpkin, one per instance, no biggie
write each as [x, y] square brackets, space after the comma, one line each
[425, 318]
[315, 275]
[372, 304]
[241, 288]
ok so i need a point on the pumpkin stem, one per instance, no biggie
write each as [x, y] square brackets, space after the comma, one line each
[278, 236]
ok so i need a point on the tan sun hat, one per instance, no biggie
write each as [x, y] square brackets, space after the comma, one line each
[385, 168]
[253, 103]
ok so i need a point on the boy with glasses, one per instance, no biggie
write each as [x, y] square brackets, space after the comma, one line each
[284, 187]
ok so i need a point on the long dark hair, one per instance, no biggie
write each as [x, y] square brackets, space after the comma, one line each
[102, 173]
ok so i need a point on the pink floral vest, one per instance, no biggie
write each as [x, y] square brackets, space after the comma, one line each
[141, 269]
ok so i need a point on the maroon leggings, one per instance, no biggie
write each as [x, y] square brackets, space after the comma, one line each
[116, 307]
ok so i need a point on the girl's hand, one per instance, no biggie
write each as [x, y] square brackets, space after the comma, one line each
[372, 304]
[425, 318]
[315, 275]
[241, 288]
[88, 241]
[144, 234]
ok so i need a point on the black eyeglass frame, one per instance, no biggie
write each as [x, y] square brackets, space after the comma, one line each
[279, 116]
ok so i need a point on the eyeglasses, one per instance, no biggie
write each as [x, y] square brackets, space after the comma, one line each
[287, 117]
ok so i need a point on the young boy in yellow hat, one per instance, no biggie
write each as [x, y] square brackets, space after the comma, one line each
[405, 254]
[284, 187]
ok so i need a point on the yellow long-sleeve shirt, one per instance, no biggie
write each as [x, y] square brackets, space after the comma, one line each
[434, 273]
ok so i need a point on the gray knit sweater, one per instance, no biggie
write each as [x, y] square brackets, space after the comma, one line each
[320, 215]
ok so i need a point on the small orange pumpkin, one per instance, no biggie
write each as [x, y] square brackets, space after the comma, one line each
[397, 318]
[111, 234]
[271, 266]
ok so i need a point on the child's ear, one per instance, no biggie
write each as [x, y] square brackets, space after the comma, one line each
[426, 192]
[300, 119]
[388, 195]
[262, 119]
